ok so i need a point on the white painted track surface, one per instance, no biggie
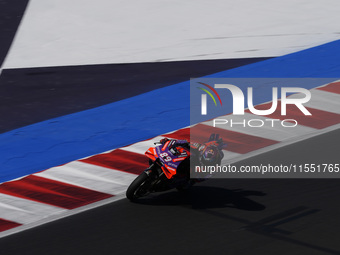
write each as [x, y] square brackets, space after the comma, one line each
[61, 32]
[87, 176]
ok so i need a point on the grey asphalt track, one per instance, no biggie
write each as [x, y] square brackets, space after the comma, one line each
[31, 95]
[224, 216]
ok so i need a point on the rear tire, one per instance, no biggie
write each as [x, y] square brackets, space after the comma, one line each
[135, 189]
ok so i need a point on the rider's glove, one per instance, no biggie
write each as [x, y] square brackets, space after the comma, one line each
[216, 140]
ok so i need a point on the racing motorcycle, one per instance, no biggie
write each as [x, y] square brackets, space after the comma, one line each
[161, 175]
[169, 166]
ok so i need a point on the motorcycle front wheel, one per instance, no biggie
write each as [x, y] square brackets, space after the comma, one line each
[139, 187]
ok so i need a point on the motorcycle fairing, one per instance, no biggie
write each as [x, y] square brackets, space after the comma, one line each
[170, 157]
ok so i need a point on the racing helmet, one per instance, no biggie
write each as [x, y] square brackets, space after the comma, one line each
[210, 155]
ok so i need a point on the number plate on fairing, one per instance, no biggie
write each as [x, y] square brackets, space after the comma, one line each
[170, 158]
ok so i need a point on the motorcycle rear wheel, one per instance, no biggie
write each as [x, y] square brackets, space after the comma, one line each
[138, 188]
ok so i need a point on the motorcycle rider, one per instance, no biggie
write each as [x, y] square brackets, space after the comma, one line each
[206, 154]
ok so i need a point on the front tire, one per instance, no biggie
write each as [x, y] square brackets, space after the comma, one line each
[138, 187]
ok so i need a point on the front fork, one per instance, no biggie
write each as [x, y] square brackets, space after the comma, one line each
[157, 176]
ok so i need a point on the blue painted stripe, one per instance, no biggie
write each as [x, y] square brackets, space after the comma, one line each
[61, 140]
